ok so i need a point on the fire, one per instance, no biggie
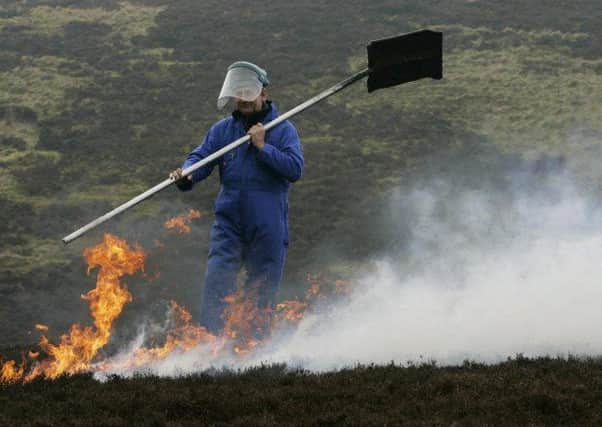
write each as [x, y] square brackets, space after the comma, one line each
[245, 322]
[246, 325]
[183, 335]
[41, 327]
[343, 286]
[314, 287]
[291, 310]
[180, 223]
[10, 373]
[77, 348]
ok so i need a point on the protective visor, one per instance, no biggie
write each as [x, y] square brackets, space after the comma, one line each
[240, 83]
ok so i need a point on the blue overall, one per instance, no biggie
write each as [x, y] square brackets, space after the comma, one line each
[251, 210]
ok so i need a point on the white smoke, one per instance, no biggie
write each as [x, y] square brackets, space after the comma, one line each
[481, 275]
[485, 277]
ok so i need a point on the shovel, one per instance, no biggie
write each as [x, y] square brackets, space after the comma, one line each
[391, 61]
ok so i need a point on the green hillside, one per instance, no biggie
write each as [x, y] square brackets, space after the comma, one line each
[100, 100]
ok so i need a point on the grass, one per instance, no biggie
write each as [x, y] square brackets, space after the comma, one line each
[16, 156]
[518, 392]
[16, 160]
[113, 193]
[27, 132]
[8, 184]
[35, 253]
[40, 84]
[128, 20]
[521, 90]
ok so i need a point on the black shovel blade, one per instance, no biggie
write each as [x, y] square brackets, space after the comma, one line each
[405, 58]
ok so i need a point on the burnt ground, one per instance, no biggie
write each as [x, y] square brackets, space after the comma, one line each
[520, 391]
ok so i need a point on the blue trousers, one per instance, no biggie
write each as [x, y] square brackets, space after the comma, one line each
[250, 230]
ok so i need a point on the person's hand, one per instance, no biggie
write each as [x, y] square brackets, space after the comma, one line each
[257, 134]
[177, 175]
[183, 183]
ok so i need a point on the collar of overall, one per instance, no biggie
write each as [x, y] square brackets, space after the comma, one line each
[254, 118]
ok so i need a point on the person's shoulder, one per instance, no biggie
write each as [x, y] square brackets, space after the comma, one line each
[285, 125]
[288, 126]
[222, 123]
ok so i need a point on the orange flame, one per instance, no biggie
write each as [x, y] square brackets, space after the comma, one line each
[41, 327]
[291, 310]
[343, 286]
[10, 373]
[180, 223]
[245, 323]
[77, 348]
[314, 287]
[294, 310]
[184, 336]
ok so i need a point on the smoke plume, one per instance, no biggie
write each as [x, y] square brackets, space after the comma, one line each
[478, 274]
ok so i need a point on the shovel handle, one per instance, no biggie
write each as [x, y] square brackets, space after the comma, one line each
[190, 169]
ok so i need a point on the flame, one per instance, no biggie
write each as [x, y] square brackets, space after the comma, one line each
[180, 223]
[343, 287]
[314, 287]
[291, 310]
[41, 327]
[246, 325]
[294, 310]
[244, 322]
[184, 336]
[10, 373]
[77, 348]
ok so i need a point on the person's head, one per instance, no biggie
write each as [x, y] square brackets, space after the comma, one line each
[245, 84]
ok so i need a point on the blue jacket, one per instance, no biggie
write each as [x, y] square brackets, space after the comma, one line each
[251, 210]
[272, 168]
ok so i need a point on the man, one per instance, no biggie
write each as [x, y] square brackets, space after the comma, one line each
[251, 210]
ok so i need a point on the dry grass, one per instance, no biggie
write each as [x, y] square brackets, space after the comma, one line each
[522, 90]
[128, 20]
[39, 83]
[518, 392]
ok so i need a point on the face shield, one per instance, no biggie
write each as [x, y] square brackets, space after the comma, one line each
[240, 82]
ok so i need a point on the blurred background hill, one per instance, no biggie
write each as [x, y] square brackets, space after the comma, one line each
[100, 100]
